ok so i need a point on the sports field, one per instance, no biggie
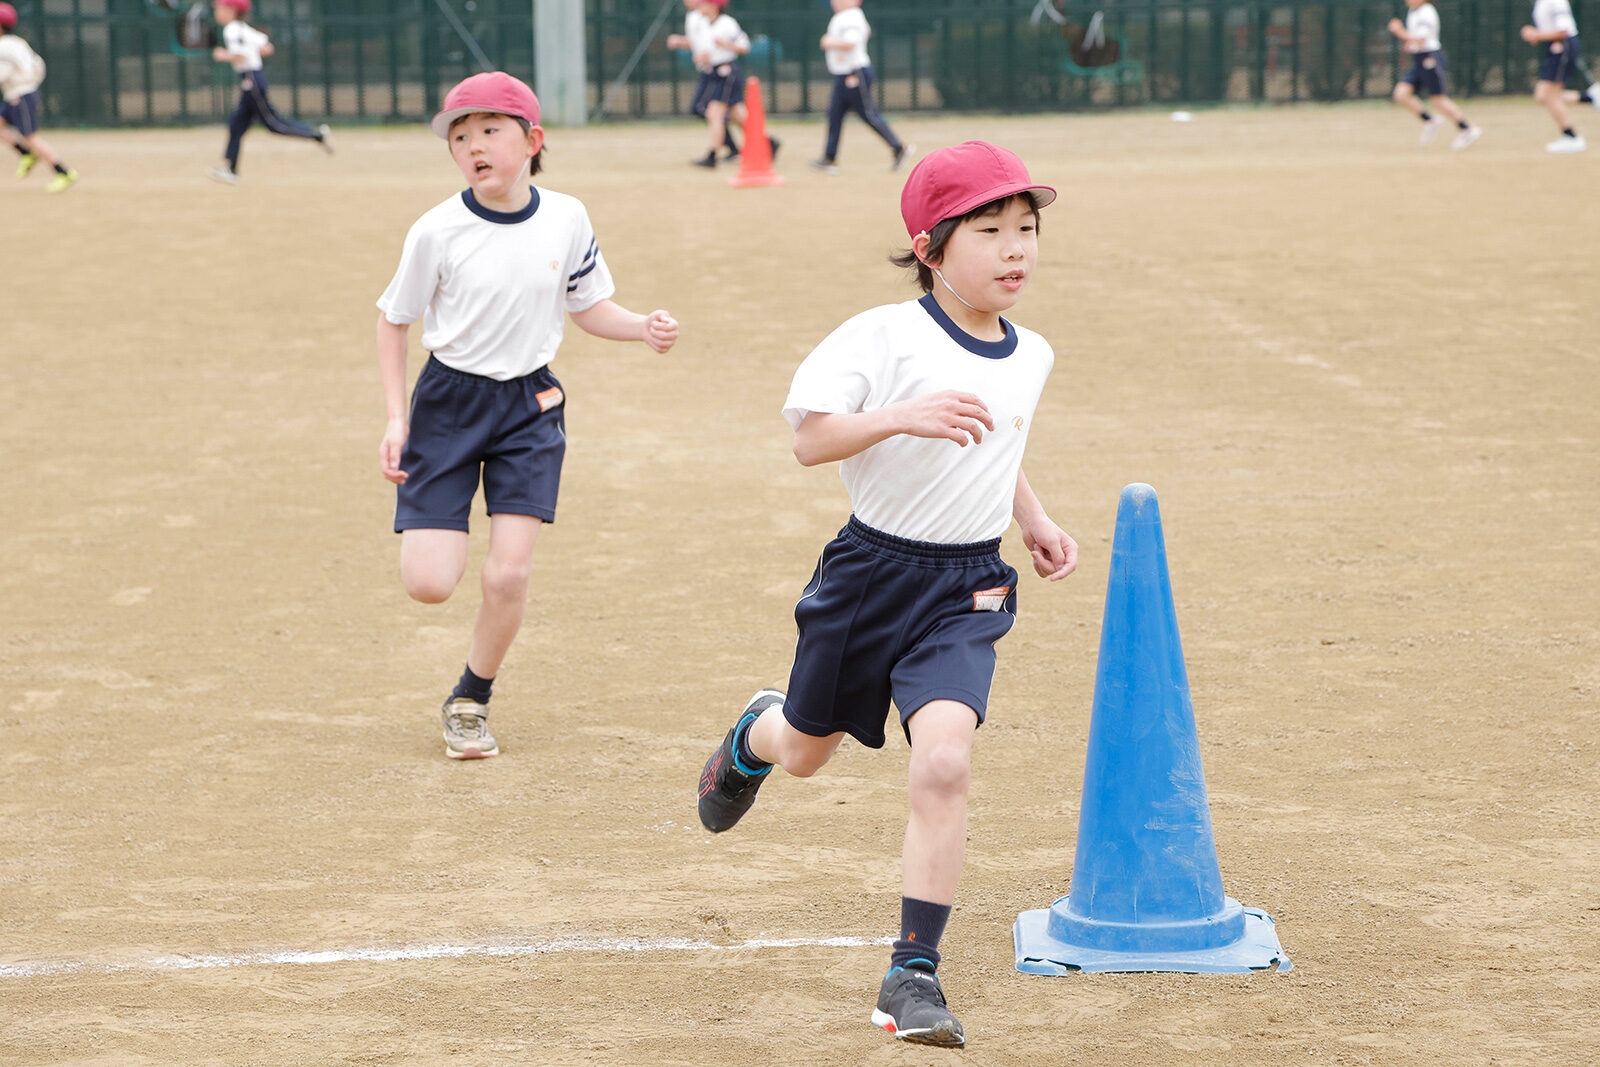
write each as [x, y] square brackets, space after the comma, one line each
[1362, 376]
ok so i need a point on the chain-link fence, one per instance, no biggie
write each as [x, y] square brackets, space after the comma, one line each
[119, 62]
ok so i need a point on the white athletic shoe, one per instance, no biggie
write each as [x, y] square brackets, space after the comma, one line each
[1594, 95]
[1567, 145]
[1465, 138]
[326, 138]
[1430, 130]
[223, 175]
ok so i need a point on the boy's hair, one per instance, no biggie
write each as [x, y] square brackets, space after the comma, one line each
[939, 236]
[538, 157]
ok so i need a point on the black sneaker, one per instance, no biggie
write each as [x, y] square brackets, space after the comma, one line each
[911, 1007]
[708, 160]
[726, 789]
[774, 144]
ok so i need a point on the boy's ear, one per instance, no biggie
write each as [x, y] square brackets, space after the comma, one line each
[919, 247]
[535, 140]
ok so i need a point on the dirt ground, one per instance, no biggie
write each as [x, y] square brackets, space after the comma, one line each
[1361, 375]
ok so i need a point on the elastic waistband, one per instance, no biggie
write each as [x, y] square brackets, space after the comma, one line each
[931, 553]
[436, 366]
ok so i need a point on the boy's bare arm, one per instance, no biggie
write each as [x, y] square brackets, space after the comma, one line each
[1054, 552]
[612, 321]
[392, 341]
[824, 437]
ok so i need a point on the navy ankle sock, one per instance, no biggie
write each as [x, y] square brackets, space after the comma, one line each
[61, 168]
[22, 150]
[742, 756]
[472, 687]
[1426, 116]
[921, 925]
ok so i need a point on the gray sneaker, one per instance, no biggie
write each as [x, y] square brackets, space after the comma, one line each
[466, 730]
[325, 138]
[911, 1007]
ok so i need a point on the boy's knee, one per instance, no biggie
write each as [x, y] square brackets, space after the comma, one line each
[1402, 93]
[507, 581]
[942, 769]
[427, 588]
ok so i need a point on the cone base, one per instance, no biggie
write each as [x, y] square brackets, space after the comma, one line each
[745, 181]
[1040, 953]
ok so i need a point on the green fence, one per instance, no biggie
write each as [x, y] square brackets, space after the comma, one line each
[117, 62]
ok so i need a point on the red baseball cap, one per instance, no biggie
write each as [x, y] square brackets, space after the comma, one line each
[953, 181]
[494, 91]
[8, 16]
[241, 6]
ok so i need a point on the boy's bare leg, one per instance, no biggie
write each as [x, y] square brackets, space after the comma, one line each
[941, 768]
[1550, 95]
[1406, 97]
[432, 563]
[773, 740]
[1448, 106]
[716, 123]
[41, 148]
[505, 590]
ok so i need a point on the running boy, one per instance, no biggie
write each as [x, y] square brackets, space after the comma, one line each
[491, 272]
[1420, 35]
[723, 89]
[928, 406]
[243, 46]
[21, 74]
[1557, 31]
[845, 48]
[696, 40]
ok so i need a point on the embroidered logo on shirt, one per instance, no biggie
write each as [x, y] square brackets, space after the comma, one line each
[990, 599]
[549, 398]
[1016, 423]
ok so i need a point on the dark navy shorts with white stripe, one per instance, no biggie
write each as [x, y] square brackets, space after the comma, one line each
[883, 619]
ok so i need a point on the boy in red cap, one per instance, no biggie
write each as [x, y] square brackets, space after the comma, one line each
[928, 405]
[21, 74]
[493, 272]
[243, 47]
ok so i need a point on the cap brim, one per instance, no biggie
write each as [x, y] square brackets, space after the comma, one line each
[1043, 196]
[441, 122]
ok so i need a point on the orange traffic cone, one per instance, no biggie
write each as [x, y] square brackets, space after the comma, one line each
[755, 162]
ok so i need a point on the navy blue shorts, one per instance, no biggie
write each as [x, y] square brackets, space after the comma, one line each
[1558, 60]
[1427, 74]
[23, 113]
[514, 432]
[885, 618]
[724, 82]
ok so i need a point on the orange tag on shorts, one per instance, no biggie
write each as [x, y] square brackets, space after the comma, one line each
[990, 599]
[549, 398]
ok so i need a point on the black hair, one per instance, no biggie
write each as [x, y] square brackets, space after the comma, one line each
[537, 163]
[939, 236]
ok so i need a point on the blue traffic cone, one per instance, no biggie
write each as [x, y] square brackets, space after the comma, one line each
[1146, 890]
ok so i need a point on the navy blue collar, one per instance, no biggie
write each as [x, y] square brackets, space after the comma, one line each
[505, 218]
[987, 349]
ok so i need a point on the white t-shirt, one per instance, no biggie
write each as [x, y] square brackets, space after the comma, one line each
[21, 69]
[1423, 22]
[243, 39]
[726, 28]
[492, 288]
[849, 25]
[697, 28]
[919, 488]
[1554, 15]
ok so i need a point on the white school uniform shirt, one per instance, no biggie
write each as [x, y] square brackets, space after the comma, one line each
[21, 69]
[1554, 15]
[244, 40]
[697, 28]
[1423, 22]
[493, 294]
[849, 25]
[725, 28]
[920, 488]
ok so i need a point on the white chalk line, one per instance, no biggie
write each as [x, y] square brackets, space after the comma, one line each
[57, 968]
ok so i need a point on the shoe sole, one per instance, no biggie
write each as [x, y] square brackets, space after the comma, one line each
[941, 1036]
[470, 753]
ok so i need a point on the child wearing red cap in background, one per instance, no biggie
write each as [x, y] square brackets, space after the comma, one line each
[243, 47]
[21, 74]
[493, 272]
[928, 405]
